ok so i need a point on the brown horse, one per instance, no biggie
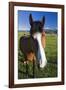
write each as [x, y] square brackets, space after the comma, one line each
[30, 45]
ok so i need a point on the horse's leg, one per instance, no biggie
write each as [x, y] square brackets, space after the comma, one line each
[26, 69]
[26, 62]
[33, 68]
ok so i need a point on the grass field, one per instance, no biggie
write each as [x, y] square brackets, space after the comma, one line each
[51, 54]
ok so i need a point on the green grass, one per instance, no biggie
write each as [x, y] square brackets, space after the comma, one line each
[51, 54]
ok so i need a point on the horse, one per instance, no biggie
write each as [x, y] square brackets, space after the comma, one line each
[33, 46]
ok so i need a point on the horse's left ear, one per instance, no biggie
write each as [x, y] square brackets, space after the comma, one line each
[43, 21]
[30, 19]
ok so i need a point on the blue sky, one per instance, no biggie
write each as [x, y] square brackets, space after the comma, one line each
[50, 19]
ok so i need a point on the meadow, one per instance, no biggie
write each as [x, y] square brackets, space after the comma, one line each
[51, 54]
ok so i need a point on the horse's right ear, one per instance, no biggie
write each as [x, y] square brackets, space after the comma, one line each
[43, 21]
[30, 19]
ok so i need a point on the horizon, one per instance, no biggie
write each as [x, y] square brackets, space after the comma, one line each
[44, 30]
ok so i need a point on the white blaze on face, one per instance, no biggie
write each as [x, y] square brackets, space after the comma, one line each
[43, 60]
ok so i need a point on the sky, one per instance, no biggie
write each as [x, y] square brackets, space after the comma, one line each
[50, 19]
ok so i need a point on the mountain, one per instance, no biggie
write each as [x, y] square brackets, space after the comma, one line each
[48, 31]
[51, 31]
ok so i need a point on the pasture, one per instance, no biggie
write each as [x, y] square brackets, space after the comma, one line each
[51, 54]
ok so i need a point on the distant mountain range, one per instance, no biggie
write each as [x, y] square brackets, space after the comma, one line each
[46, 30]
[51, 31]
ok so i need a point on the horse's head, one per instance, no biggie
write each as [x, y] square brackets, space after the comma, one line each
[36, 26]
[36, 31]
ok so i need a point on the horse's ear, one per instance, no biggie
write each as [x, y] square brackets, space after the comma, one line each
[43, 21]
[30, 19]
